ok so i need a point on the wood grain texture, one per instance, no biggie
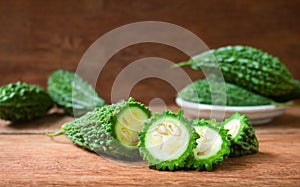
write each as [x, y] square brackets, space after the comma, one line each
[37, 37]
[36, 159]
[39, 160]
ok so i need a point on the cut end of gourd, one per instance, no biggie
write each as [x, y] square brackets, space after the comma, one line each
[209, 143]
[233, 126]
[129, 122]
[167, 139]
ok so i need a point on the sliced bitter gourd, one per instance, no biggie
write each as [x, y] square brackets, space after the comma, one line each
[213, 146]
[110, 130]
[167, 140]
[21, 101]
[72, 93]
[243, 138]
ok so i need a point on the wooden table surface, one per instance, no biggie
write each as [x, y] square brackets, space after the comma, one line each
[28, 157]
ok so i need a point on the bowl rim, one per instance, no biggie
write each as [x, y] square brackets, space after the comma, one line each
[188, 104]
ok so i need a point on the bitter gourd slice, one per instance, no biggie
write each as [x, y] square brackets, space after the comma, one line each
[72, 93]
[251, 69]
[21, 102]
[243, 138]
[167, 140]
[111, 130]
[213, 146]
[200, 92]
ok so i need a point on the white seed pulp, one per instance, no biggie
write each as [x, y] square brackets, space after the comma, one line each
[209, 143]
[129, 122]
[233, 127]
[167, 139]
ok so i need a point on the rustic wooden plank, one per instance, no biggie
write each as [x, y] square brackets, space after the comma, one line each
[40, 160]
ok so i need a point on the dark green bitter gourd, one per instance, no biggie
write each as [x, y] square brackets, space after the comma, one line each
[213, 146]
[243, 138]
[21, 102]
[72, 93]
[251, 69]
[167, 140]
[110, 130]
[200, 92]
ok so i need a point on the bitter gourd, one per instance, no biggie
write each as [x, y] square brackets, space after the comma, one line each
[72, 93]
[251, 69]
[243, 138]
[213, 146]
[167, 140]
[200, 92]
[21, 101]
[110, 130]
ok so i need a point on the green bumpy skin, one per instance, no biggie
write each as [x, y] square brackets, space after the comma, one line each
[200, 92]
[96, 130]
[252, 69]
[243, 138]
[72, 93]
[213, 146]
[22, 102]
[167, 140]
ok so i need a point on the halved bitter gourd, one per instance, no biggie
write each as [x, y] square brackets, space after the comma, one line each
[110, 130]
[243, 138]
[213, 146]
[167, 140]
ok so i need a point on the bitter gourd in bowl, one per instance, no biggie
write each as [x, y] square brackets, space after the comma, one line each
[201, 92]
[252, 69]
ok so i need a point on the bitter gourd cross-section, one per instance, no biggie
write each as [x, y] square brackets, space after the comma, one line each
[243, 138]
[167, 140]
[213, 146]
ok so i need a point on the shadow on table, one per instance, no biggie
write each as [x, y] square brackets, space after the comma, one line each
[50, 122]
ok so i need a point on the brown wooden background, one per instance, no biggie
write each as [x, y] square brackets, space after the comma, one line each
[38, 37]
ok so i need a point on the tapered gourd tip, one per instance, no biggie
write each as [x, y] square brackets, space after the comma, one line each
[187, 63]
[57, 133]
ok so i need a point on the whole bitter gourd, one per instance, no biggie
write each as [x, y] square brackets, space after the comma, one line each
[167, 140]
[72, 93]
[21, 102]
[200, 92]
[213, 146]
[110, 130]
[243, 138]
[251, 69]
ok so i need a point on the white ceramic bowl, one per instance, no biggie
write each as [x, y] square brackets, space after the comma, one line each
[257, 114]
